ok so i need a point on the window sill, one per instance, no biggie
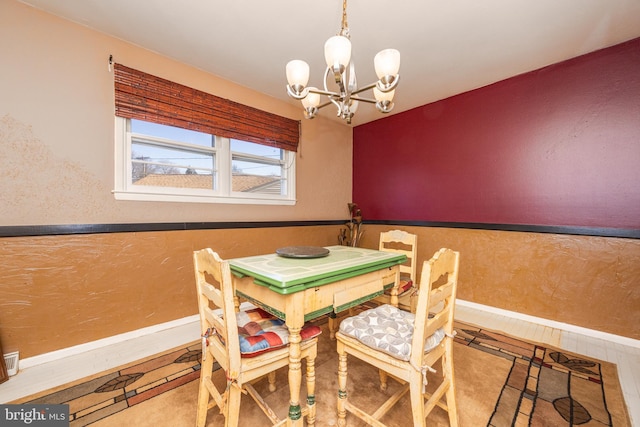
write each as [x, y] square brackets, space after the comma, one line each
[165, 197]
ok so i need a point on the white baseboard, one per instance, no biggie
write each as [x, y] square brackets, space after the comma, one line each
[565, 327]
[115, 339]
[51, 370]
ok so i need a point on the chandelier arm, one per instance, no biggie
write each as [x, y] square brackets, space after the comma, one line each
[363, 89]
[332, 95]
[325, 92]
[294, 95]
[325, 104]
[369, 100]
[329, 72]
[353, 81]
[372, 85]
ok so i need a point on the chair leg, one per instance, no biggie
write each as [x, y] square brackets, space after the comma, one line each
[452, 407]
[206, 370]
[311, 390]
[271, 377]
[342, 385]
[383, 379]
[417, 399]
[232, 408]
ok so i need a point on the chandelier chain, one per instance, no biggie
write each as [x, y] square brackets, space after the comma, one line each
[345, 25]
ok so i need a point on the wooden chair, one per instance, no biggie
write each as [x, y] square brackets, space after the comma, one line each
[223, 343]
[409, 353]
[401, 242]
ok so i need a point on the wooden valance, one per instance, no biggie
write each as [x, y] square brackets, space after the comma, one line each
[142, 96]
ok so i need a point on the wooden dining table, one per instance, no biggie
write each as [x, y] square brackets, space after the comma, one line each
[299, 288]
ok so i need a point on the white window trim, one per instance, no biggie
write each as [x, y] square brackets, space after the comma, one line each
[124, 190]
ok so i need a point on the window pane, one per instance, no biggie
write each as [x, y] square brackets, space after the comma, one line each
[255, 177]
[242, 165]
[173, 133]
[171, 167]
[257, 168]
[256, 149]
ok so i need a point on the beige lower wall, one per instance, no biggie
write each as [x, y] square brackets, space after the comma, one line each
[61, 291]
[592, 282]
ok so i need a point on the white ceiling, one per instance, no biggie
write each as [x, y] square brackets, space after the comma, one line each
[447, 46]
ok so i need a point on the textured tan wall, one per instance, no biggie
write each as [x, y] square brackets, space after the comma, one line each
[57, 132]
[592, 282]
[61, 291]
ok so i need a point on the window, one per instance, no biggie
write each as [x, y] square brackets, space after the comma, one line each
[176, 143]
[167, 163]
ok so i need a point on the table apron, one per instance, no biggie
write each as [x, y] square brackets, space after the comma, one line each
[317, 301]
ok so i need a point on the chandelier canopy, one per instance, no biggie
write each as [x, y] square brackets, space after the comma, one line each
[337, 54]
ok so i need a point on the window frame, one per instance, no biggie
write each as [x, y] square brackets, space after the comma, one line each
[125, 189]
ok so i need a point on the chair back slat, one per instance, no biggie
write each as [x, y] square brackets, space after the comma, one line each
[215, 322]
[213, 294]
[435, 298]
[436, 322]
[401, 242]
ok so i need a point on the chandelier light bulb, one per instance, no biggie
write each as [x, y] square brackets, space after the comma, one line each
[312, 99]
[337, 52]
[297, 74]
[384, 100]
[387, 63]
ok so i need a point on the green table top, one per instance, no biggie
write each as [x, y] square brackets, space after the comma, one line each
[289, 275]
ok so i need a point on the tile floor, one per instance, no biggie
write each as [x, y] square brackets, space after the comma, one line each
[50, 375]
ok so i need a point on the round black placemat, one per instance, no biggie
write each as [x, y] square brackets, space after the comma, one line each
[302, 251]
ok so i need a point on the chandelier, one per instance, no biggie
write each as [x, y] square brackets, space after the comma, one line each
[346, 96]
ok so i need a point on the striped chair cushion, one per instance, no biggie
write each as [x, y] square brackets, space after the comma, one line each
[260, 331]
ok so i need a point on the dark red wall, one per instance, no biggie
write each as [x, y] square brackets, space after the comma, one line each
[557, 146]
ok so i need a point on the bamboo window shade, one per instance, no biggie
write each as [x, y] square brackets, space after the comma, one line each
[142, 96]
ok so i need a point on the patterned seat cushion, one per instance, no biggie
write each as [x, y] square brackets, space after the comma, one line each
[259, 331]
[388, 329]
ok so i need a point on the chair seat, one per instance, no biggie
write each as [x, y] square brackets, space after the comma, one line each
[387, 329]
[260, 331]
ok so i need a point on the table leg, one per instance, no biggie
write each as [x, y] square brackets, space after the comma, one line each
[311, 390]
[295, 377]
[332, 325]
